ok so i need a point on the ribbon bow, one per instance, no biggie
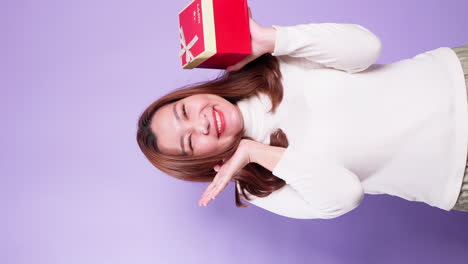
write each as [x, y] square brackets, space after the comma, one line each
[186, 48]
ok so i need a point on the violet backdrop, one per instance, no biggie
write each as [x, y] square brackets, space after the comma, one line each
[75, 188]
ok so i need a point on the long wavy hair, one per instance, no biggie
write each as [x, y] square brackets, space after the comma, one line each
[261, 75]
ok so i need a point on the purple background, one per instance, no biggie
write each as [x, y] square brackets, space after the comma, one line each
[75, 188]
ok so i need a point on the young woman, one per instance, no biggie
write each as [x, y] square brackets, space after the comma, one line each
[307, 124]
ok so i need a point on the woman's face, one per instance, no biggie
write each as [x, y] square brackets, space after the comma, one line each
[190, 125]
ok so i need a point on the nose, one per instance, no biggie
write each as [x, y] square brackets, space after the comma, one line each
[201, 125]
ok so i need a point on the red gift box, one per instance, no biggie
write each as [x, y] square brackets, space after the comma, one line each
[214, 33]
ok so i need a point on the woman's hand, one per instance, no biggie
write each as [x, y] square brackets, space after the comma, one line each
[226, 171]
[263, 41]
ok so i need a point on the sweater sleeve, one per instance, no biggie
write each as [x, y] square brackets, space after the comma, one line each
[314, 188]
[348, 47]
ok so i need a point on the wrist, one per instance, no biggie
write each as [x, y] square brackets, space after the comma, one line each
[265, 155]
[270, 39]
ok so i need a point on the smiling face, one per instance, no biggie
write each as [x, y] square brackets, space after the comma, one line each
[189, 126]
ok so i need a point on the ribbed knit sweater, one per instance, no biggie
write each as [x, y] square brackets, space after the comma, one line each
[356, 127]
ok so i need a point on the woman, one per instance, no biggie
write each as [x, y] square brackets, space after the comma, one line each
[307, 124]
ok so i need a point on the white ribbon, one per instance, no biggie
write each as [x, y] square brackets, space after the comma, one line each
[186, 48]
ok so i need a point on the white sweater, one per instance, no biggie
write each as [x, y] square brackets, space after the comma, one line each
[399, 129]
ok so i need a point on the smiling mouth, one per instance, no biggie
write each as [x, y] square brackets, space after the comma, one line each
[215, 122]
[218, 122]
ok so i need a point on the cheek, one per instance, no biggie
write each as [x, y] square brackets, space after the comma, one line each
[205, 144]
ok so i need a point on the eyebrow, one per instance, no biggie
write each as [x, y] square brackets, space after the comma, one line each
[181, 138]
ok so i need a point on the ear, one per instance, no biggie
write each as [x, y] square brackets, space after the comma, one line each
[218, 166]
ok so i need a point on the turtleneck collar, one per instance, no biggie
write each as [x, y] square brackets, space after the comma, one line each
[258, 124]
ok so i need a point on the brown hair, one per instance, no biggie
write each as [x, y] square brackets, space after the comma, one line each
[261, 75]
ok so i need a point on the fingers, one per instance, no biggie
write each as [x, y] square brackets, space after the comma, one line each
[216, 187]
[230, 68]
[204, 200]
[224, 174]
[235, 67]
[213, 193]
[207, 196]
[210, 194]
[219, 185]
[240, 64]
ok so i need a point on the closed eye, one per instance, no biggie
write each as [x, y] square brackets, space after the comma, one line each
[183, 109]
[190, 138]
[190, 141]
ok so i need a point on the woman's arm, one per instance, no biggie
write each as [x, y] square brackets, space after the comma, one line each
[316, 188]
[348, 47]
[265, 155]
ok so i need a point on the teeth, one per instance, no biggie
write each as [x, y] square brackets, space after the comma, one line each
[218, 121]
